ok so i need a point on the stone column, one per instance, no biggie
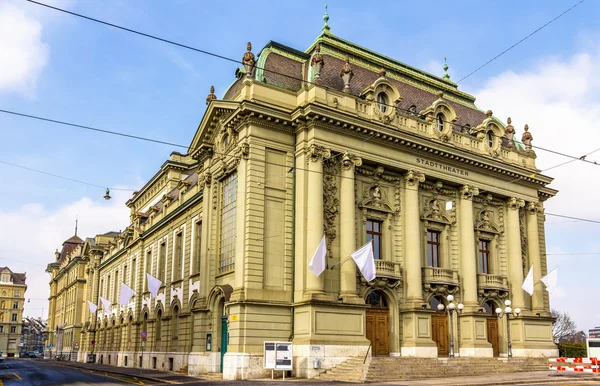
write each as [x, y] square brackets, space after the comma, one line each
[314, 223]
[468, 259]
[515, 258]
[533, 250]
[348, 227]
[413, 234]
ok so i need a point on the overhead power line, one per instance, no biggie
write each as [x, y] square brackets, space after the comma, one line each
[205, 52]
[61, 177]
[519, 42]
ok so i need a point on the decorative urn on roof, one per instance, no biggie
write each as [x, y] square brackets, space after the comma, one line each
[347, 74]
[317, 62]
[211, 96]
[248, 61]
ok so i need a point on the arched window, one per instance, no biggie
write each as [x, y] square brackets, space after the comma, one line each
[382, 102]
[490, 138]
[489, 308]
[158, 324]
[439, 121]
[376, 299]
[435, 302]
[175, 324]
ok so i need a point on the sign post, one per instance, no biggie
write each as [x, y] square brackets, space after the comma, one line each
[144, 334]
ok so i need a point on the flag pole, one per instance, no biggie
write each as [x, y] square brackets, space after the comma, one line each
[340, 262]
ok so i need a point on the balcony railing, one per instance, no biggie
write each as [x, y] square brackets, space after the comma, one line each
[385, 268]
[492, 281]
[439, 275]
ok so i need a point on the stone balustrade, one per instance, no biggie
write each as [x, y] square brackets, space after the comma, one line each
[388, 269]
[439, 275]
[492, 281]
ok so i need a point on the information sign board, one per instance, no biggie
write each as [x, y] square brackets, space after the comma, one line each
[283, 360]
[269, 360]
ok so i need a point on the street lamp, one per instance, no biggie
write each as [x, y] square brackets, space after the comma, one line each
[451, 308]
[508, 312]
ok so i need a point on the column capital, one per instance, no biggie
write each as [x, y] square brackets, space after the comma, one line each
[534, 208]
[316, 153]
[413, 177]
[349, 161]
[467, 192]
[515, 203]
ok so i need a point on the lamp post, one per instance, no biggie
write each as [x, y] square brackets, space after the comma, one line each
[451, 308]
[508, 311]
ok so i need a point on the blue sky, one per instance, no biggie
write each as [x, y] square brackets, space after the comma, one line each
[66, 68]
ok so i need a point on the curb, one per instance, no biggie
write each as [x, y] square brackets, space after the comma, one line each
[116, 372]
[550, 379]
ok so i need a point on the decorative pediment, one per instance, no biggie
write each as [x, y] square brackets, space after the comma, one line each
[213, 120]
[375, 198]
[434, 210]
[485, 222]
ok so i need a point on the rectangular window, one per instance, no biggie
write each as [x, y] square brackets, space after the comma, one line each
[228, 210]
[17, 293]
[433, 249]
[125, 274]
[197, 246]
[14, 318]
[178, 256]
[133, 274]
[116, 289]
[15, 305]
[148, 267]
[161, 261]
[374, 233]
[484, 256]
[13, 329]
[1, 328]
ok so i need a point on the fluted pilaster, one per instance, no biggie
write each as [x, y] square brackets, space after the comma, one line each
[515, 258]
[413, 238]
[347, 226]
[468, 259]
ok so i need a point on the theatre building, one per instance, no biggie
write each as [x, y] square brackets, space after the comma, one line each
[341, 141]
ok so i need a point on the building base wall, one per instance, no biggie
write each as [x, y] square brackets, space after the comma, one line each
[204, 362]
[482, 352]
[420, 352]
[534, 352]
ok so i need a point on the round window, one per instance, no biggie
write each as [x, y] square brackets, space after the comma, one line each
[439, 121]
[490, 138]
[382, 102]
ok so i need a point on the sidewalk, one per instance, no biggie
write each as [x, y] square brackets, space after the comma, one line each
[152, 375]
[545, 377]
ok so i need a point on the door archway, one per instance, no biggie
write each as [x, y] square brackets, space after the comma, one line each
[377, 323]
[493, 329]
[439, 326]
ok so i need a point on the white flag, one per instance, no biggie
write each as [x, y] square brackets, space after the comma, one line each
[153, 284]
[105, 305]
[550, 280]
[528, 282]
[365, 261]
[92, 306]
[317, 263]
[126, 294]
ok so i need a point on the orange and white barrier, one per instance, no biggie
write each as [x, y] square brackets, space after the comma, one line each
[576, 365]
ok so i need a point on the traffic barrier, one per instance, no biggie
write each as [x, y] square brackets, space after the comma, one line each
[576, 365]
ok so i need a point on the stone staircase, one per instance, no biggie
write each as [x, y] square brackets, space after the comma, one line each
[182, 371]
[212, 376]
[349, 371]
[384, 369]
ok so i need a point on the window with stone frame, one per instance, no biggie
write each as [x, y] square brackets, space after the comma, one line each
[148, 267]
[158, 325]
[433, 248]
[197, 246]
[484, 256]
[162, 258]
[375, 233]
[228, 223]
[178, 258]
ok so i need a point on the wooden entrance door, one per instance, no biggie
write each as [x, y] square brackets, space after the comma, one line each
[493, 335]
[439, 333]
[378, 331]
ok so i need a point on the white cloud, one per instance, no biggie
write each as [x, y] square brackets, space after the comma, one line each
[559, 97]
[24, 55]
[30, 234]
[560, 100]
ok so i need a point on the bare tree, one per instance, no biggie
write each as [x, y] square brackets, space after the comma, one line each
[564, 327]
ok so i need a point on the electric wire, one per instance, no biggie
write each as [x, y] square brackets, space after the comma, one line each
[267, 70]
[519, 42]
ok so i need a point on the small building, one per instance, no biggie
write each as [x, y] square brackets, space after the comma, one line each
[32, 336]
[12, 301]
